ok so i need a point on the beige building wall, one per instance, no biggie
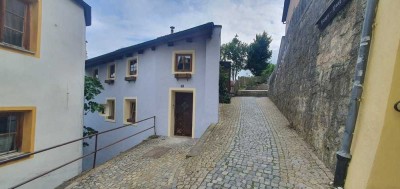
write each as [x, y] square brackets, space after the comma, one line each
[376, 145]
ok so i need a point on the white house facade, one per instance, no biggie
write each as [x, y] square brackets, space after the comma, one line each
[173, 77]
[42, 56]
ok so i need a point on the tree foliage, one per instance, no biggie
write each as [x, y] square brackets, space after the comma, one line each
[235, 51]
[259, 54]
[224, 96]
[268, 71]
[92, 88]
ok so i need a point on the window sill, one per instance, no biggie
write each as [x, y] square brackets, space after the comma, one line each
[14, 156]
[13, 47]
[129, 123]
[131, 78]
[110, 120]
[183, 75]
[109, 81]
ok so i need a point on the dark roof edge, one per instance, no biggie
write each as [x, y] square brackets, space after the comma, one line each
[120, 53]
[285, 10]
[87, 11]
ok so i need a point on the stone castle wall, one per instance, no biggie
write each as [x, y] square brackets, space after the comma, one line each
[312, 82]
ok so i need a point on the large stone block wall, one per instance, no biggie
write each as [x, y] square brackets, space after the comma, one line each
[312, 82]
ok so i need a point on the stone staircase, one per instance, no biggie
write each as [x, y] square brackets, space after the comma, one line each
[257, 91]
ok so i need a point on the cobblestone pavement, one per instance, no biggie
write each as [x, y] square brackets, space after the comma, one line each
[139, 167]
[195, 169]
[251, 147]
[263, 153]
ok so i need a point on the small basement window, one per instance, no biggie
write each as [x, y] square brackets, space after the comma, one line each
[130, 111]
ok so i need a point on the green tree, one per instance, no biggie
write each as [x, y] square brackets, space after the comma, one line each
[268, 71]
[235, 51]
[92, 88]
[224, 79]
[259, 54]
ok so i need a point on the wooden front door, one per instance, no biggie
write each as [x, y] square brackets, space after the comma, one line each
[183, 114]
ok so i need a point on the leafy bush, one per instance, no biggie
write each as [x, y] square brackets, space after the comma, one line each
[93, 88]
[224, 95]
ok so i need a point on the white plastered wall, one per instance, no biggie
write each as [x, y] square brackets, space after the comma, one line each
[53, 84]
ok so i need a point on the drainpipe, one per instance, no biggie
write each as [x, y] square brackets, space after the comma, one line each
[343, 155]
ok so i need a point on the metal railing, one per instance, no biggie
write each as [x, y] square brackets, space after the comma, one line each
[79, 139]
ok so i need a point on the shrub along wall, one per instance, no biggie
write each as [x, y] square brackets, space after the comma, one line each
[312, 82]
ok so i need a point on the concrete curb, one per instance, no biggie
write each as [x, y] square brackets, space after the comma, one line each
[198, 147]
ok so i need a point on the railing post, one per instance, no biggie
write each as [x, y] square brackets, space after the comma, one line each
[154, 125]
[95, 151]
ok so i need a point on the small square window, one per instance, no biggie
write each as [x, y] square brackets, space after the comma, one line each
[111, 71]
[183, 62]
[132, 67]
[110, 74]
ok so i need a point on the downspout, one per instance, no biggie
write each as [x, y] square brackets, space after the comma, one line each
[343, 155]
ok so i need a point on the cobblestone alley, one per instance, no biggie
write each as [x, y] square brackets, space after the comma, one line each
[250, 147]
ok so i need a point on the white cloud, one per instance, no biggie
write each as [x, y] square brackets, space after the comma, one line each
[122, 23]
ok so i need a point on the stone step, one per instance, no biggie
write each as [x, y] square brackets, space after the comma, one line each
[252, 93]
[263, 86]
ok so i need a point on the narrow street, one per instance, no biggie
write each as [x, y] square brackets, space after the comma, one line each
[250, 147]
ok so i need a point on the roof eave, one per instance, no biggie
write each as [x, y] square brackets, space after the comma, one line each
[87, 11]
[121, 53]
[285, 10]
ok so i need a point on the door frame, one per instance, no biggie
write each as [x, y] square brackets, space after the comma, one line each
[171, 113]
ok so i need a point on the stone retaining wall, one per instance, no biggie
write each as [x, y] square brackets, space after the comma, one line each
[312, 82]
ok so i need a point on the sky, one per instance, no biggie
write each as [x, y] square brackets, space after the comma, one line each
[121, 23]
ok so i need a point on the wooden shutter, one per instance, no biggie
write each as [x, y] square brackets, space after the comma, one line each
[27, 28]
